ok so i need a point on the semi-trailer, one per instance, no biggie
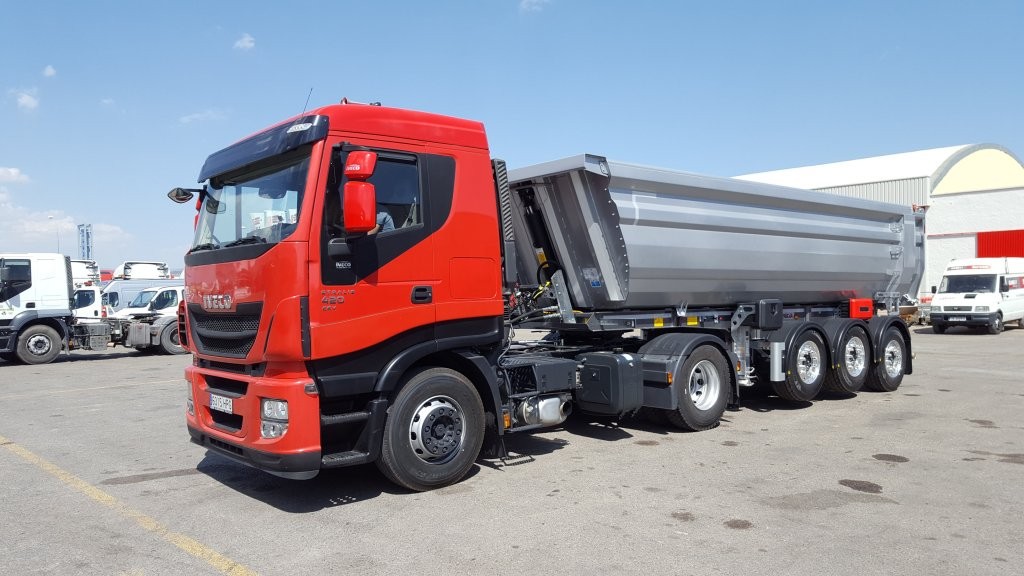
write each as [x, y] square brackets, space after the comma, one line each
[377, 324]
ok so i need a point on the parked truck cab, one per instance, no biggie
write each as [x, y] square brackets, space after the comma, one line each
[980, 293]
[35, 306]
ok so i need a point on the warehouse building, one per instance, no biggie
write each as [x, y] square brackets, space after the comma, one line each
[974, 196]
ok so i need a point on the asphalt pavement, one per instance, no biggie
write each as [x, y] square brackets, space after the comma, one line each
[98, 477]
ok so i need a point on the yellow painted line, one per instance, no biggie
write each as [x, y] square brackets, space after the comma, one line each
[222, 563]
[39, 393]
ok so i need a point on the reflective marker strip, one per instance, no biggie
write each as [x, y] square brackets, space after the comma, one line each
[222, 563]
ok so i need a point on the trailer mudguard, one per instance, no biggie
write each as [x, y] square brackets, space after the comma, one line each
[877, 327]
[665, 355]
[791, 329]
[835, 330]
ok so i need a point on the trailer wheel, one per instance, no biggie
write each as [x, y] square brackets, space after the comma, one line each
[887, 374]
[703, 387]
[853, 366]
[434, 430]
[169, 339]
[806, 368]
[38, 344]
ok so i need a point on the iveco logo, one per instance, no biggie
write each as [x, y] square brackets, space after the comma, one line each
[217, 301]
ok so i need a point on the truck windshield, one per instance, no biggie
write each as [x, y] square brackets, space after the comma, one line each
[968, 283]
[257, 205]
[142, 299]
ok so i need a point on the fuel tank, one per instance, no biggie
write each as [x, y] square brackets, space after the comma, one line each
[629, 236]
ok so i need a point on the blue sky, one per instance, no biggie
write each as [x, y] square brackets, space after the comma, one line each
[106, 105]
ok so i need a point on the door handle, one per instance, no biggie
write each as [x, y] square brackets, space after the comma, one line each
[422, 295]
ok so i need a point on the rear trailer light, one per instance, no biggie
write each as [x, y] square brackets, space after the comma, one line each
[273, 418]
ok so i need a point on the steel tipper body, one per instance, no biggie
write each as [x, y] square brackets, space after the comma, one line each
[630, 236]
[356, 274]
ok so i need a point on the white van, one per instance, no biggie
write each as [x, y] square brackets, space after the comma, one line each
[979, 292]
[120, 293]
[162, 300]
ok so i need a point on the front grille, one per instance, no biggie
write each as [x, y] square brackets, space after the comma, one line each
[228, 334]
[226, 386]
[957, 308]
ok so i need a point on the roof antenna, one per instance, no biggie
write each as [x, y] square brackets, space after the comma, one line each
[307, 101]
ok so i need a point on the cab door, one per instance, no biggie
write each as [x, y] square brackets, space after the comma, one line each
[378, 293]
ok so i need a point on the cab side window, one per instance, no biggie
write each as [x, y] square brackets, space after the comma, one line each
[396, 180]
[397, 183]
[17, 276]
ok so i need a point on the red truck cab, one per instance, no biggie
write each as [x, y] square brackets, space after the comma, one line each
[336, 256]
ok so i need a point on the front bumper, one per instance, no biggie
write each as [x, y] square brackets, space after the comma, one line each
[302, 466]
[973, 319]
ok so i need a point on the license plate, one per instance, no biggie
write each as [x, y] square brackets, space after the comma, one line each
[958, 318]
[221, 403]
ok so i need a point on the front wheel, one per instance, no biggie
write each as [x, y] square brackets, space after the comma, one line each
[938, 328]
[996, 326]
[887, 374]
[38, 344]
[703, 389]
[434, 430]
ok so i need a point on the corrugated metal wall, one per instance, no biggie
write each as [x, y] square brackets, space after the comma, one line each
[1005, 243]
[907, 192]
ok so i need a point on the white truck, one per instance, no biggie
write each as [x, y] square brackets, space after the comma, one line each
[37, 320]
[85, 273]
[141, 270]
[980, 293]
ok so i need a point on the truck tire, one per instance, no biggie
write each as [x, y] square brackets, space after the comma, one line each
[887, 374]
[938, 328]
[434, 430]
[703, 390]
[806, 368]
[38, 344]
[169, 339]
[854, 363]
[997, 325]
[11, 357]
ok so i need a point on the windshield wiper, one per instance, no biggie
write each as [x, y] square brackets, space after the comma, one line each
[246, 240]
[207, 246]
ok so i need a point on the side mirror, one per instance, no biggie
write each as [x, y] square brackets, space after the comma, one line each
[359, 165]
[360, 207]
[1003, 285]
[182, 195]
[934, 289]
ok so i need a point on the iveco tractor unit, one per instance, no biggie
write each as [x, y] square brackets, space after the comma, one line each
[358, 272]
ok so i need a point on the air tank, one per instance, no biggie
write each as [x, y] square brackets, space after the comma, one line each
[634, 237]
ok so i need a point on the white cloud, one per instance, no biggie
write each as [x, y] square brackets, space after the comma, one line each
[31, 231]
[204, 116]
[532, 5]
[49, 71]
[245, 43]
[26, 98]
[12, 175]
[107, 102]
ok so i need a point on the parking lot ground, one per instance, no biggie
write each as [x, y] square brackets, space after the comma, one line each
[99, 477]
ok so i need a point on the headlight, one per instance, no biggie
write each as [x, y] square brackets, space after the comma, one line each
[274, 421]
[981, 308]
[190, 404]
[275, 410]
